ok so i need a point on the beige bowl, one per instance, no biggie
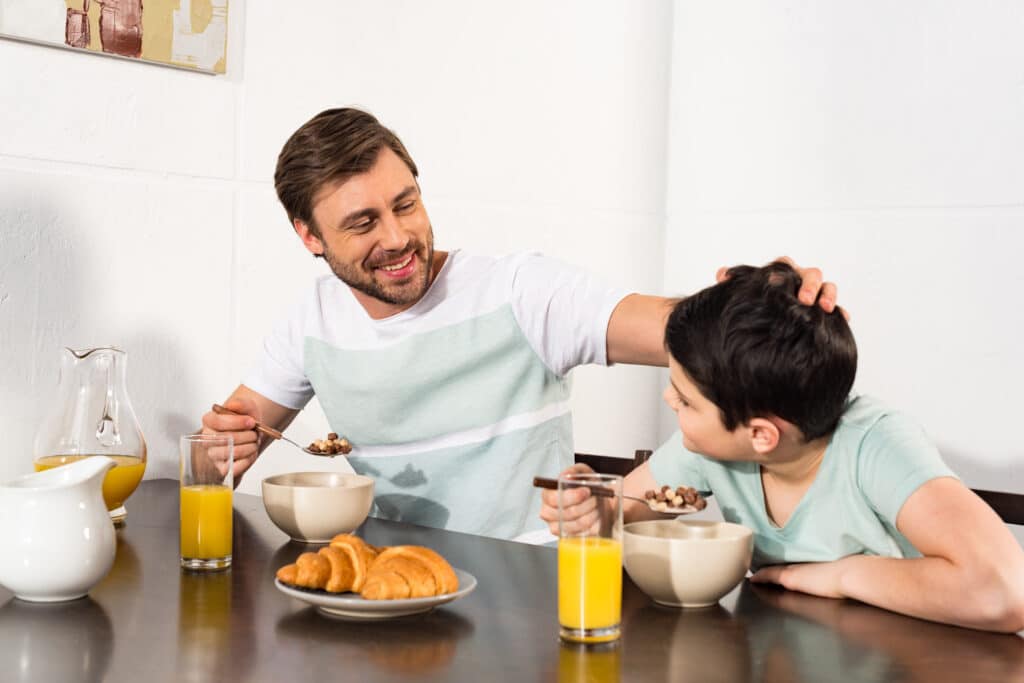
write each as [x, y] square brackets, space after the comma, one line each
[686, 563]
[313, 507]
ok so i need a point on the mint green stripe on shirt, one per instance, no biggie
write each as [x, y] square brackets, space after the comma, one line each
[482, 488]
[471, 374]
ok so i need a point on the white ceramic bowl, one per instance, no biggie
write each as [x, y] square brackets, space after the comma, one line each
[313, 507]
[686, 563]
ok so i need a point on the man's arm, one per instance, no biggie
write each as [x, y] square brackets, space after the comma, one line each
[636, 330]
[254, 407]
[972, 572]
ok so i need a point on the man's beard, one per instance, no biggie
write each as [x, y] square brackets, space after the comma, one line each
[398, 294]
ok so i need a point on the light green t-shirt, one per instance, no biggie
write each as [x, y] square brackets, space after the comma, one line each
[875, 459]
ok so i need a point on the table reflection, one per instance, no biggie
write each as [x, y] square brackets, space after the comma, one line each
[419, 645]
[62, 641]
[599, 663]
[772, 634]
[796, 637]
[204, 625]
[704, 644]
[216, 616]
[126, 573]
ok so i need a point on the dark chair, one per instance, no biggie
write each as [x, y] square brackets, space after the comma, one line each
[1009, 506]
[608, 465]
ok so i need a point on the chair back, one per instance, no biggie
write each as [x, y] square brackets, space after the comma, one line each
[606, 464]
[1009, 506]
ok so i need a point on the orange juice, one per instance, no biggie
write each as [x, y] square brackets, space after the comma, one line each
[205, 522]
[121, 479]
[589, 583]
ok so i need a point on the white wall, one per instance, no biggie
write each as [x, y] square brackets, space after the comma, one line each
[137, 206]
[879, 141]
[883, 142]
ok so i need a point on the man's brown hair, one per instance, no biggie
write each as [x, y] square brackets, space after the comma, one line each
[331, 147]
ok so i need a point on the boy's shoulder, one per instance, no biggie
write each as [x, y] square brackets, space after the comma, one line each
[868, 422]
[862, 412]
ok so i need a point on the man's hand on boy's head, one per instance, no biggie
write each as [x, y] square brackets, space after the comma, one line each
[812, 286]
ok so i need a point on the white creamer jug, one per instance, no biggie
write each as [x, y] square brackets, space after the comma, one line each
[56, 535]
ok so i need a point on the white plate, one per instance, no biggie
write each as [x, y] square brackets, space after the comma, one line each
[355, 607]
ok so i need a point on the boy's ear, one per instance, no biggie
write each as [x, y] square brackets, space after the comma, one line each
[764, 435]
[310, 240]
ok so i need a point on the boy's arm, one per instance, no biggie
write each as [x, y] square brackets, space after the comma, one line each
[972, 572]
[580, 506]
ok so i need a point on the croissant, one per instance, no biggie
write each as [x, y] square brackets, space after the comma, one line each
[310, 570]
[339, 568]
[359, 555]
[409, 571]
[351, 564]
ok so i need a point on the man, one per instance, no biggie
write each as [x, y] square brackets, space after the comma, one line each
[446, 371]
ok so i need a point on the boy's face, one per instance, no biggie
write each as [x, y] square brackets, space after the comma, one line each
[701, 422]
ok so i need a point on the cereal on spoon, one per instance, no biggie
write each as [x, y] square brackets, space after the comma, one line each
[332, 445]
[668, 500]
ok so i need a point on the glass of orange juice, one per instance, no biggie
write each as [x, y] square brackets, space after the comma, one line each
[590, 558]
[206, 485]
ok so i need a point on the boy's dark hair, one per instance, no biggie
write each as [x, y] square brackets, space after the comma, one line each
[753, 350]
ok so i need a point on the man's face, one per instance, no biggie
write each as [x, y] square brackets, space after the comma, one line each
[701, 421]
[376, 236]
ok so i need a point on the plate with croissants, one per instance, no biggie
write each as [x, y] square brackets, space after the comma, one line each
[352, 579]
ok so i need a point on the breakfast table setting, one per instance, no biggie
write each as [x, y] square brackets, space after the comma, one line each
[148, 619]
[105, 577]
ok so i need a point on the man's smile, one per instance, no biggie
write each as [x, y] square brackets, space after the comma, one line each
[399, 269]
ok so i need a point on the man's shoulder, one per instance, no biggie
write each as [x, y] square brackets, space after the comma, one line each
[470, 261]
[477, 271]
[312, 301]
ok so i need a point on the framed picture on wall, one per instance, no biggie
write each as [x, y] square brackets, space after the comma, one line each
[190, 34]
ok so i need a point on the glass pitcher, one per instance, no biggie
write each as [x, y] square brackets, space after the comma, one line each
[92, 415]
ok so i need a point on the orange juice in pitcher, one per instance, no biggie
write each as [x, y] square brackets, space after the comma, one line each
[120, 481]
[92, 415]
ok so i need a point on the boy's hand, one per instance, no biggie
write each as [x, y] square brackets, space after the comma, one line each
[811, 286]
[816, 578]
[579, 506]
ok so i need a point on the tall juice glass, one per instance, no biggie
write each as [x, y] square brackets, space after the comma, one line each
[206, 485]
[590, 559]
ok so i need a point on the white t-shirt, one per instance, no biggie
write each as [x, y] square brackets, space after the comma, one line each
[455, 404]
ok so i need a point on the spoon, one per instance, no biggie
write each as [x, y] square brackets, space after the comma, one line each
[605, 492]
[271, 432]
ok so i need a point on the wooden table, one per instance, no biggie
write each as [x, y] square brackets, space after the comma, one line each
[149, 621]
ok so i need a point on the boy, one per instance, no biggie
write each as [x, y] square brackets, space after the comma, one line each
[846, 498]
